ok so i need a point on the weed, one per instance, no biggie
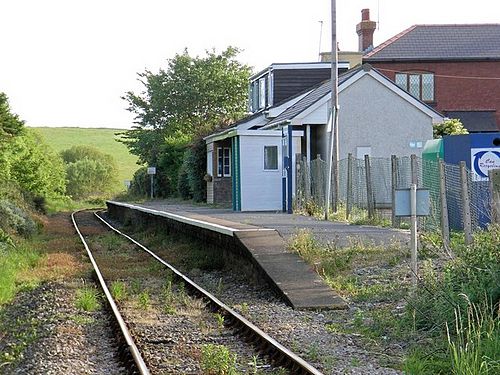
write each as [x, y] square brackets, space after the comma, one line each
[475, 347]
[217, 360]
[355, 362]
[220, 321]
[313, 352]
[144, 300]
[220, 286]
[82, 320]
[135, 286]
[111, 242]
[244, 308]
[118, 290]
[87, 299]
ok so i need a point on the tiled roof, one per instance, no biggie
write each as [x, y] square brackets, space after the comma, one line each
[475, 121]
[441, 42]
[311, 98]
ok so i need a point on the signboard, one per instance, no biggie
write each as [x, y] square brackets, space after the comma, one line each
[402, 204]
[151, 170]
[482, 161]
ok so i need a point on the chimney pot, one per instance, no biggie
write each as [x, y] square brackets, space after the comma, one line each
[365, 14]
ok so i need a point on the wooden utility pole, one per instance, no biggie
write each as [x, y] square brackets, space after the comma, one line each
[332, 142]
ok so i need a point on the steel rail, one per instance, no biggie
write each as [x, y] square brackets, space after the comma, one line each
[134, 351]
[280, 354]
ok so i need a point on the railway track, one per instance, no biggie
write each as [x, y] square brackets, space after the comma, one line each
[275, 353]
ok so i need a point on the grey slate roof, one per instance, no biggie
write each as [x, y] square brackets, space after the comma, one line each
[316, 94]
[441, 42]
[475, 121]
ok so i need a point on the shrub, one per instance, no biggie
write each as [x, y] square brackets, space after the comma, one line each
[217, 360]
[15, 219]
[87, 299]
[89, 172]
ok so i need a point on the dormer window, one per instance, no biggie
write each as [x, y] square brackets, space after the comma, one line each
[418, 84]
[258, 94]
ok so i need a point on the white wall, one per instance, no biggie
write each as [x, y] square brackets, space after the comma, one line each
[260, 189]
[373, 116]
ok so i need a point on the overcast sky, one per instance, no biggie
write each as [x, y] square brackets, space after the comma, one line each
[68, 62]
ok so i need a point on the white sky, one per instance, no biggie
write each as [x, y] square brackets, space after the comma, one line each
[68, 62]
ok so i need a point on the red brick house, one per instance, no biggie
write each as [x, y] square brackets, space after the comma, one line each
[453, 68]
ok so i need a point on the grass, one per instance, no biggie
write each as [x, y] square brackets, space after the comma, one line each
[217, 360]
[103, 139]
[14, 261]
[475, 347]
[87, 299]
[118, 290]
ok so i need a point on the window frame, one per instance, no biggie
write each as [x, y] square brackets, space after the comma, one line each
[223, 161]
[277, 158]
[407, 84]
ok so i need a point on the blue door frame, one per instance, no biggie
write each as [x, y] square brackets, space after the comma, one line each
[286, 179]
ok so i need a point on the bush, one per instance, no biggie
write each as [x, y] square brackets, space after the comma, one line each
[15, 220]
[190, 183]
[89, 172]
[183, 187]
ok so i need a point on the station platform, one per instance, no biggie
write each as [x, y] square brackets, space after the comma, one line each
[264, 236]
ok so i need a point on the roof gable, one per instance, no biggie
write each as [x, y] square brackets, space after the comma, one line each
[322, 94]
[441, 42]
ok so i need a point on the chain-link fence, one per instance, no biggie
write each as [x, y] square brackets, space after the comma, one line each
[366, 188]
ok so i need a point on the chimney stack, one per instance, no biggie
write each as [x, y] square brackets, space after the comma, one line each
[365, 31]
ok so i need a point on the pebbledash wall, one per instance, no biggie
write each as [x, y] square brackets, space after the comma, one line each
[481, 93]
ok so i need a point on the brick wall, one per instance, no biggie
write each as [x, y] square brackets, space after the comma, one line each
[453, 93]
[222, 190]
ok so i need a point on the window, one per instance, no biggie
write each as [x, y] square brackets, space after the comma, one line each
[210, 162]
[271, 158]
[258, 96]
[420, 85]
[223, 162]
[262, 93]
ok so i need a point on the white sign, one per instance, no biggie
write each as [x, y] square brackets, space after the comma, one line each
[151, 170]
[482, 160]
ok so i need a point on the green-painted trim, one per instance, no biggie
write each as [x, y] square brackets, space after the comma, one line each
[235, 173]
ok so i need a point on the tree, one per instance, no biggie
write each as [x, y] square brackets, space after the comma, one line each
[36, 168]
[10, 124]
[89, 172]
[448, 127]
[191, 98]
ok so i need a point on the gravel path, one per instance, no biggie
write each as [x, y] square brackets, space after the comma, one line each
[57, 338]
[304, 332]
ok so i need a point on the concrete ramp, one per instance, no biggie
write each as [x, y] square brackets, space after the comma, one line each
[298, 283]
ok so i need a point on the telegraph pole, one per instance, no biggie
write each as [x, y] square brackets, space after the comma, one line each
[332, 142]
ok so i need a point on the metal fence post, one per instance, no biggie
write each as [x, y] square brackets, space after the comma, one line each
[349, 197]
[414, 169]
[466, 217]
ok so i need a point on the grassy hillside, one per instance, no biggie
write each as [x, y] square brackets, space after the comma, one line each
[103, 139]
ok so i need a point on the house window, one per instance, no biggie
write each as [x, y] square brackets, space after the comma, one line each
[270, 158]
[223, 162]
[262, 93]
[258, 96]
[420, 85]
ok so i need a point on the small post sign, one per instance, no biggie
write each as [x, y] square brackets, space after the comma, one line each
[151, 173]
[412, 202]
